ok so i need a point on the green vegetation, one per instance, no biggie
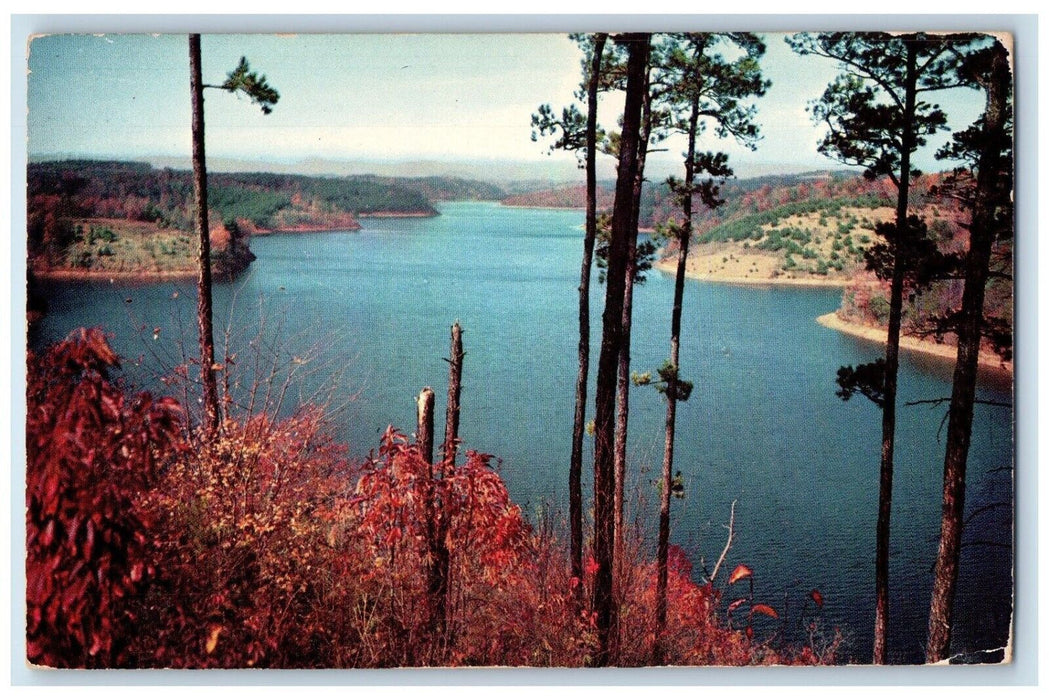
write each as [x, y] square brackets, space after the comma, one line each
[747, 226]
[258, 206]
[365, 195]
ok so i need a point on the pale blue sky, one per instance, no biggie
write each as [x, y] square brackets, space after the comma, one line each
[377, 97]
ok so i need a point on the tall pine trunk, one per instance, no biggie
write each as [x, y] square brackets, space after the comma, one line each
[629, 275]
[575, 469]
[200, 192]
[604, 607]
[892, 364]
[684, 238]
[963, 393]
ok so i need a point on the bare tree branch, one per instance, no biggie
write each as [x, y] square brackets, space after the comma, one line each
[728, 542]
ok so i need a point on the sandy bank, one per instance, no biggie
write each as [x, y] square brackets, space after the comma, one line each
[929, 347]
[669, 265]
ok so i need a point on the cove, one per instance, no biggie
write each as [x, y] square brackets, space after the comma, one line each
[763, 427]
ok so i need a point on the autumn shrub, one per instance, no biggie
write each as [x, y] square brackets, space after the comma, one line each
[695, 635]
[507, 598]
[90, 449]
[274, 551]
[244, 549]
[704, 629]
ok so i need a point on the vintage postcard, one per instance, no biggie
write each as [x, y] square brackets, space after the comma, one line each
[610, 349]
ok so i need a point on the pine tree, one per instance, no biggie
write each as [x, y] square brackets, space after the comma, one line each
[569, 128]
[876, 118]
[241, 80]
[985, 187]
[603, 602]
[701, 84]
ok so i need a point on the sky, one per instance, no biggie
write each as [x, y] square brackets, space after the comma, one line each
[376, 99]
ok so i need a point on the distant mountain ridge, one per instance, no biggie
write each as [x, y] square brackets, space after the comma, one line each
[657, 204]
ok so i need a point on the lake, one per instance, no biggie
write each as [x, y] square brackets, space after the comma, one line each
[763, 427]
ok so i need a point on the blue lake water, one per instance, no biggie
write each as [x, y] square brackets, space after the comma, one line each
[763, 427]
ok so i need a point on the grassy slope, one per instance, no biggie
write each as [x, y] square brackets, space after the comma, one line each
[124, 249]
[121, 246]
[822, 245]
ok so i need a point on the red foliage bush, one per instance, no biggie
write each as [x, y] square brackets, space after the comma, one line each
[243, 552]
[90, 449]
[493, 568]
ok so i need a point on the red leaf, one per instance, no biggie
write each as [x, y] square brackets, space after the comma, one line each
[739, 573]
[735, 604]
[764, 610]
[591, 565]
[817, 598]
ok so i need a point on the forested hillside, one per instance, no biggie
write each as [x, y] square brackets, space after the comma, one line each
[567, 197]
[448, 189]
[129, 218]
[138, 192]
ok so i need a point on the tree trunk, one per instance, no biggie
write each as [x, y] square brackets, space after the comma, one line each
[424, 432]
[575, 469]
[435, 578]
[611, 345]
[200, 192]
[455, 377]
[684, 238]
[963, 394]
[439, 577]
[623, 376]
[892, 363]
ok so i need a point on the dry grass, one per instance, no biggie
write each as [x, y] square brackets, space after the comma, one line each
[118, 245]
[831, 236]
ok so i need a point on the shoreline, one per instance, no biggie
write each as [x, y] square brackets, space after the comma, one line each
[670, 267]
[262, 233]
[144, 276]
[988, 360]
[398, 215]
[539, 206]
